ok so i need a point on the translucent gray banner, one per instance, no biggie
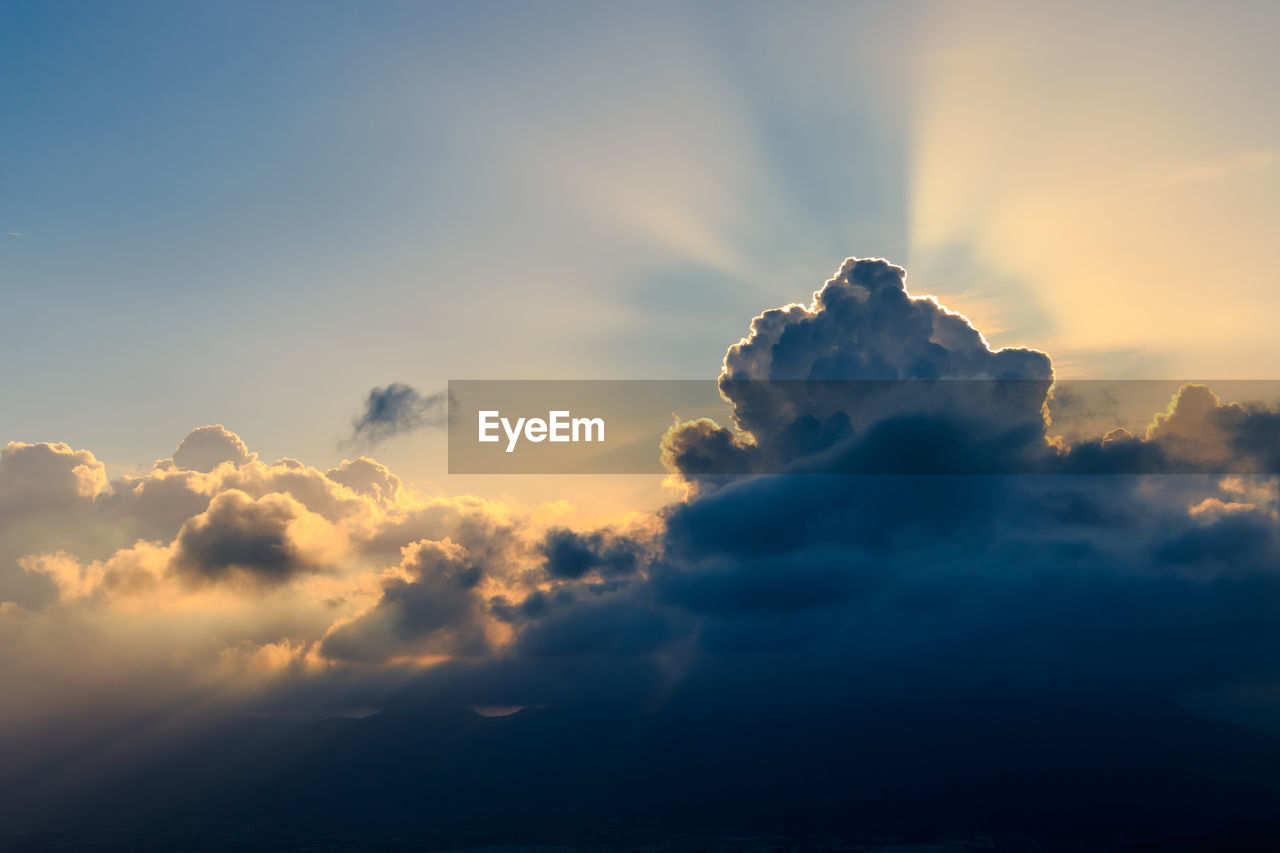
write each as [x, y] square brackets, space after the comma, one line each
[942, 426]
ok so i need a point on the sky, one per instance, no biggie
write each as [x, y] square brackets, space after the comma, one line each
[339, 198]
[244, 247]
[252, 215]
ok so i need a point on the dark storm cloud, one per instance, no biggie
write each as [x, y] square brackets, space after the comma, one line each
[1239, 543]
[768, 584]
[816, 632]
[868, 379]
[570, 554]
[819, 379]
[398, 408]
[1077, 581]
[238, 535]
[609, 626]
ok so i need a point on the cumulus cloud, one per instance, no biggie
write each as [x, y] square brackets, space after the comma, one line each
[367, 477]
[1197, 433]
[869, 379]
[60, 500]
[347, 586]
[988, 573]
[571, 554]
[135, 572]
[257, 538]
[234, 559]
[430, 606]
[863, 324]
[208, 447]
[47, 492]
[35, 477]
[864, 372]
[398, 408]
[863, 354]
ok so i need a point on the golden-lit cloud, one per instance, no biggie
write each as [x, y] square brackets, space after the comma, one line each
[231, 571]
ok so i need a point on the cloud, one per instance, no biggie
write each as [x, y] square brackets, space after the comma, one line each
[570, 554]
[238, 534]
[430, 606]
[208, 447]
[36, 477]
[868, 379]
[1197, 433]
[215, 553]
[289, 587]
[395, 409]
[47, 494]
[367, 477]
[375, 573]
[602, 625]
[818, 378]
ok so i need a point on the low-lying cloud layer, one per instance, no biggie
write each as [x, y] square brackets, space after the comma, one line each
[285, 587]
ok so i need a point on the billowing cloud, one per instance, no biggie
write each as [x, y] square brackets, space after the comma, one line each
[430, 606]
[867, 369]
[570, 554]
[757, 603]
[398, 408]
[47, 492]
[35, 477]
[235, 560]
[208, 447]
[367, 477]
[240, 535]
[1197, 433]
[868, 379]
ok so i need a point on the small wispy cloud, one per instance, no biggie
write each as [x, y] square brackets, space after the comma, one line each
[398, 408]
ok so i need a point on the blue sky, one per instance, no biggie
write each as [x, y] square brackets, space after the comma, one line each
[251, 214]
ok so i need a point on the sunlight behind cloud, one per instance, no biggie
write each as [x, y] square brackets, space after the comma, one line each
[1116, 205]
